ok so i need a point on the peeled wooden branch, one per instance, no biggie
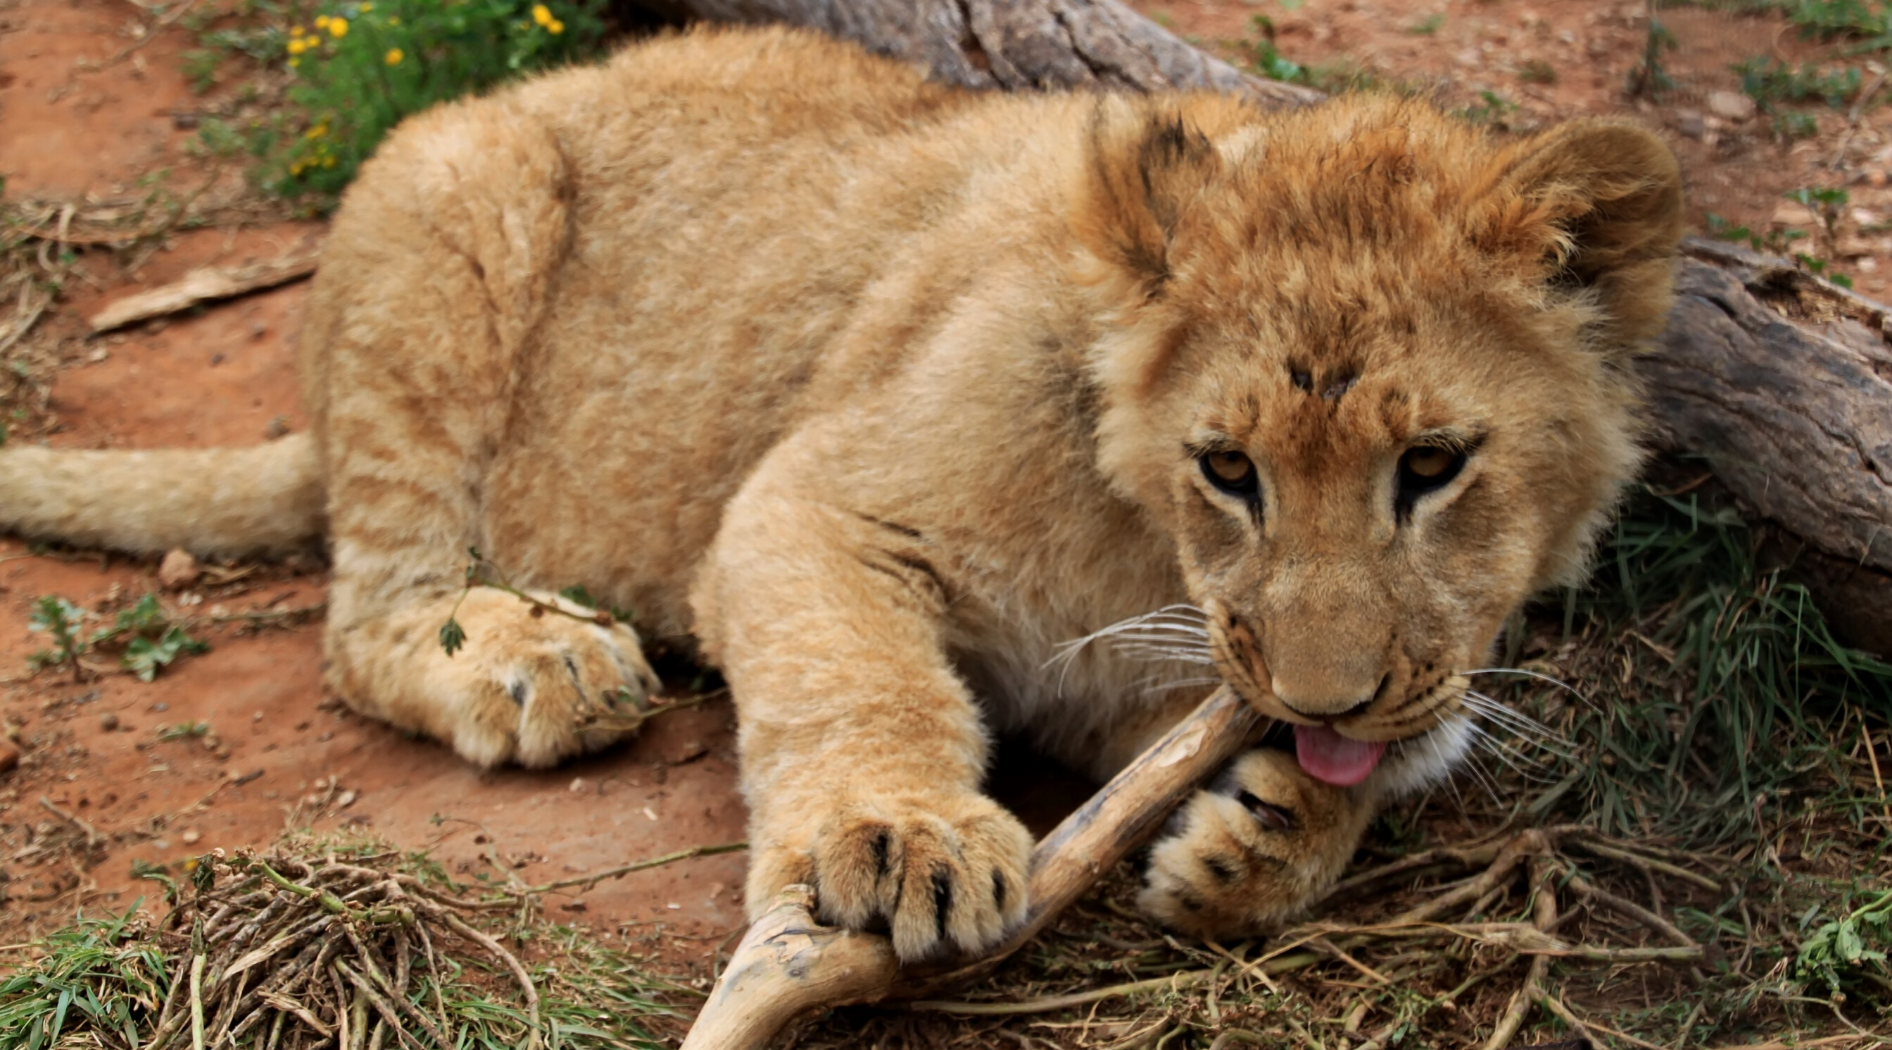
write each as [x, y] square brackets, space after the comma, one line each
[788, 963]
[202, 285]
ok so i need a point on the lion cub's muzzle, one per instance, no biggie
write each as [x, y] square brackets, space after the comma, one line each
[1346, 703]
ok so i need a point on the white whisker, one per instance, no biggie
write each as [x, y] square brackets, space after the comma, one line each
[1524, 766]
[1516, 721]
[1558, 682]
[1174, 633]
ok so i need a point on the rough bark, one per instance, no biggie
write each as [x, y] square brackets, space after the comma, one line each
[1009, 44]
[1782, 385]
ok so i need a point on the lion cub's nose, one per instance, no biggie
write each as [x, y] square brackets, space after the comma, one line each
[1329, 700]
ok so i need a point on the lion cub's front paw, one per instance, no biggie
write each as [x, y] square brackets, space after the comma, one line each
[935, 869]
[1246, 856]
[535, 689]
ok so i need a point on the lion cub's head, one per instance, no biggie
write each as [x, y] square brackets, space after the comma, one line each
[1371, 368]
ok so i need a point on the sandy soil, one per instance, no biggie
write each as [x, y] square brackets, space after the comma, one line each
[92, 103]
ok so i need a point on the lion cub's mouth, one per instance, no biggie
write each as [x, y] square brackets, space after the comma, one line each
[1327, 756]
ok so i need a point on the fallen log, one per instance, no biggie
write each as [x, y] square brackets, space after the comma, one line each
[1013, 45]
[1781, 383]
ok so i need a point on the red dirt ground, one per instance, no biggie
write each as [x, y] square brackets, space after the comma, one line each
[92, 102]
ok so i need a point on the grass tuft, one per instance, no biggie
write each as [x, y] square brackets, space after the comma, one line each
[329, 944]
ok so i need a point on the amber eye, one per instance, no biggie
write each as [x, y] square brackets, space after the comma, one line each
[1231, 472]
[1423, 469]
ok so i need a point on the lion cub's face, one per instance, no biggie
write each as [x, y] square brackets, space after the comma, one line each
[1370, 368]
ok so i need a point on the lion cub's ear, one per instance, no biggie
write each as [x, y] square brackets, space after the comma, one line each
[1145, 168]
[1599, 203]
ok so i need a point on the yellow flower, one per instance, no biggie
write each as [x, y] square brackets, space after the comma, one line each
[394, 20]
[542, 14]
[316, 132]
[338, 27]
[321, 21]
[365, 8]
[328, 162]
[294, 62]
[555, 27]
[395, 56]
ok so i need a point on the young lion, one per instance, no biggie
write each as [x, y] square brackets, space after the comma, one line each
[882, 390]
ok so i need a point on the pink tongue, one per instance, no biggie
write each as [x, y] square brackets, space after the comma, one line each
[1328, 756]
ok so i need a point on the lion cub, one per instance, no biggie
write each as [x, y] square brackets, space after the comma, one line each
[883, 392]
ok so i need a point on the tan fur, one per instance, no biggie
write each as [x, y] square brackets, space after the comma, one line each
[881, 391]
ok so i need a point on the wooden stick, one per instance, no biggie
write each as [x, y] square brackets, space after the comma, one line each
[788, 963]
[201, 285]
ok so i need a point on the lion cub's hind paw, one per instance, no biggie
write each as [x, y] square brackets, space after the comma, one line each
[539, 689]
[937, 870]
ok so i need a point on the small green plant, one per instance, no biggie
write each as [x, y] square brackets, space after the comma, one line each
[1648, 78]
[186, 731]
[1537, 71]
[1770, 82]
[1793, 124]
[1722, 230]
[1491, 108]
[59, 618]
[1427, 26]
[1867, 23]
[362, 67]
[1844, 951]
[1266, 60]
[200, 69]
[148, 640]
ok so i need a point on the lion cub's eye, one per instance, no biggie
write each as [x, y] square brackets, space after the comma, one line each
[1426, 468]
[1231, 472]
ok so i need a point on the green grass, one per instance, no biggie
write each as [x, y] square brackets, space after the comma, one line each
[357, 69]
[102, 975]
[120, 982]
[1709, 682]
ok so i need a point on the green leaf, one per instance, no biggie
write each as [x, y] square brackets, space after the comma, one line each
[144, 657]
[1851, 948]
[577, 593]
[452, 636]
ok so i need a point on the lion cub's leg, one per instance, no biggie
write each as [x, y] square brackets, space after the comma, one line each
[1247, 855]
[862, 749]
[420, 329]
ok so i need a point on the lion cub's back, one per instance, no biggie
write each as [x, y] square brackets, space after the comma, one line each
[668, 245]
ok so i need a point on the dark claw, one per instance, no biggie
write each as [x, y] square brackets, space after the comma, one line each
[1272, 817]
[998, 890]
[942, 900]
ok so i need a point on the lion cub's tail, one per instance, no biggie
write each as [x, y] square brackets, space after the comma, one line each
[208, 501]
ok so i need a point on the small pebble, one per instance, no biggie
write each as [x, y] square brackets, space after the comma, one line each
[190, 837]
[178, 570]
[108, 721]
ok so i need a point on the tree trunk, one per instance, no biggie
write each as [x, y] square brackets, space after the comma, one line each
[1779, 381]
